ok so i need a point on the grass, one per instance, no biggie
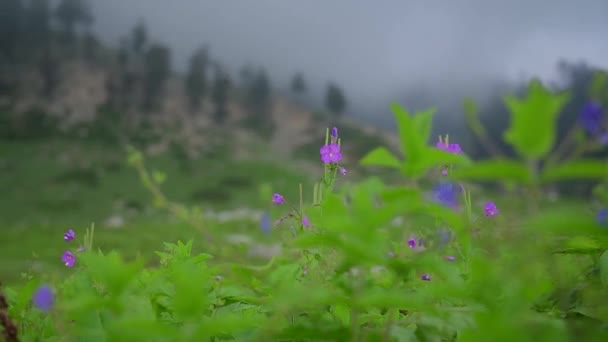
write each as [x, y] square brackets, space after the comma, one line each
[56, 185]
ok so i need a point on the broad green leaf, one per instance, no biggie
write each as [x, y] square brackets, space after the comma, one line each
[580, 245]
[423, 121]
[381, 156]
[494, 170]
[191, 290]
[603, 265]
[411, 141]
[534, 121]
[578, 169]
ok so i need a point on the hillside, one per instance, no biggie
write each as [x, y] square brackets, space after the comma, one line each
[83, 90]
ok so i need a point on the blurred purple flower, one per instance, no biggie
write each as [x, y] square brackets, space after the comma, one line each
[278, 199]
[412, 243]
[334, 133]
[450, 258]
[305, 221]
[343, 171]
[331, 154]
[44, 298]
[265, 223]
[451, 148]
[68, 259]
[446, 194]
[426, 277]
[69, 236]
[491, 209]
[591, 118]
[603, 139]
[602, 218]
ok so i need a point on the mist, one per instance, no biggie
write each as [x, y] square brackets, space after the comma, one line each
[376, 51]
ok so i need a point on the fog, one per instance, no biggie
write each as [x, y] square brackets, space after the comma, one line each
[375, 50]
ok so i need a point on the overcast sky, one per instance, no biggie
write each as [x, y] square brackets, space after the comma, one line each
[373, 48]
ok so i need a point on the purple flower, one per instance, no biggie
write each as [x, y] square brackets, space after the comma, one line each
[68, 259]
[334, 133]
[412, 243]
[602, 218]
[265, 223]
[331, 154]
[454, 149]
[44, 298]
[278, 199]
[69, 236]
[305, 221]
[343, 171]
[444, 172]
[426, 277]
[591, 118]
[451, 148]
[603, 139]
[450, 258]
[491, 209]
[447, 194]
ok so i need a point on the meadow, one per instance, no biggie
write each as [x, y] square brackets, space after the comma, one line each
[455, 250]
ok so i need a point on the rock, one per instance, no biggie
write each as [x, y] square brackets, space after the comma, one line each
[115, 221]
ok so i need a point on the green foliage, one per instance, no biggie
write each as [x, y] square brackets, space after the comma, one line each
[534, 121]
[414, 134]
[352, 273]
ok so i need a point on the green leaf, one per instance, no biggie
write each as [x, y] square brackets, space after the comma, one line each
[580, 245]
[534, 121]
[411, 141]
[603, 264]
[578, 169]
[494, 170]
[381, 156]
[191, 290]
[423, 121]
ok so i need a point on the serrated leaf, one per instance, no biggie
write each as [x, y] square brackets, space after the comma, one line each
[381, 156]
[578, 169]
[534, 121]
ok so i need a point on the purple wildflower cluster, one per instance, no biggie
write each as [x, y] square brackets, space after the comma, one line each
[331, 155]
[68, 258]
[594, 120]
[447, 194]
[444, 145]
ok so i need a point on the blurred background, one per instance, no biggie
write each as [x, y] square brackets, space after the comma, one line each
[231, 99]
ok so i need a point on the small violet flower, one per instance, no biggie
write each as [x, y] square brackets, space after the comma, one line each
[491, 209]
[343, 171]
[426, 277]
[451, 148]
[44, 298]
[331, 154]
[68, 259]
[591, 118]
[305, 221]
[278, 199]
[334, 133]
[265, 223]
[412, 243]
[69, 236]
[602, 218]
[450, 258]
[447, 195]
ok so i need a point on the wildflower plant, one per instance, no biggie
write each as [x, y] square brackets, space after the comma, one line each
[347, 271]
